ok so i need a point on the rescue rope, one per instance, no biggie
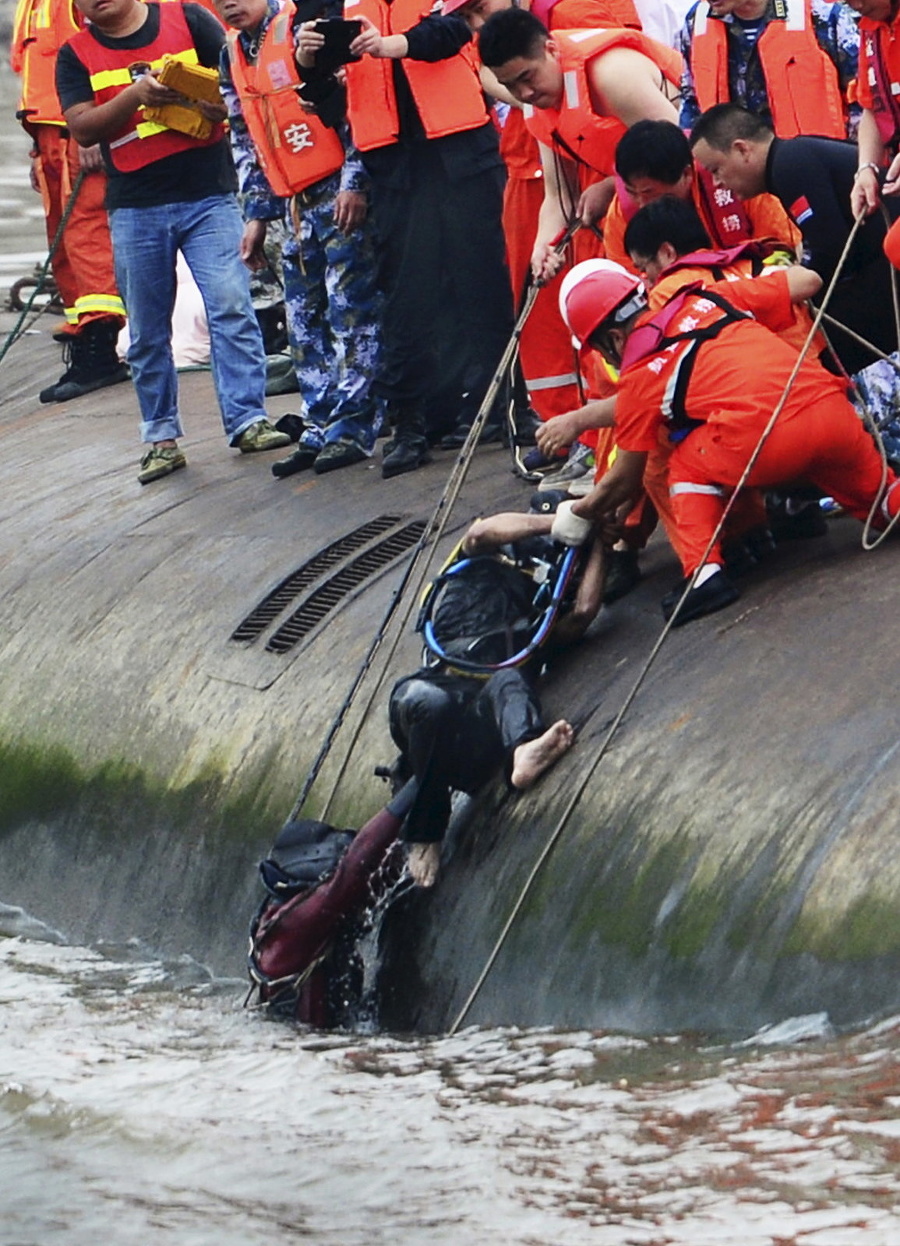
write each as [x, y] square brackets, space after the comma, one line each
[432, 534]
[17, 331]
[645, 670]
[857, 337]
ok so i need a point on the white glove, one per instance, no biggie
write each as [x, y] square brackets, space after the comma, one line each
[568, 528]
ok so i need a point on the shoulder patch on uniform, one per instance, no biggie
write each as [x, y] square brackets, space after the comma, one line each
[800, 211]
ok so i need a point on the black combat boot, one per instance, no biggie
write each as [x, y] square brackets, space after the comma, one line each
[408, 448]
[93, 362]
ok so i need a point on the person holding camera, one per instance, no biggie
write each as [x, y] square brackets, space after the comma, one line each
[418, 117]
[168, 190]
[296, 163]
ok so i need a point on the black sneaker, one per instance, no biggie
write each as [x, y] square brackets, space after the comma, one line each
[456, 438]
[547, 503]
[713, 594]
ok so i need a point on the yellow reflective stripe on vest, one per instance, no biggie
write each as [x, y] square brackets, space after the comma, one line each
[145, 128]
[106, 78]
[110, 78]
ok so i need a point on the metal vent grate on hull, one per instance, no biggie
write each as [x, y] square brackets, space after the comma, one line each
[320, 603]
[283, 594]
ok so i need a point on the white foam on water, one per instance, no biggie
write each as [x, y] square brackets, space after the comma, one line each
[139, 1103]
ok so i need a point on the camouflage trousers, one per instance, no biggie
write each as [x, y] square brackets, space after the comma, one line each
[333, 319]
[878, 395]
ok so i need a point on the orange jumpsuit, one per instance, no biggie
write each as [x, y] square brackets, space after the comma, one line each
[593, 157]
[546, 355]
[748, 511]
[734, 383]
[82, 263]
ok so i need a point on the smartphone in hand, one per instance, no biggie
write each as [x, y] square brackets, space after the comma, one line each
[339, 34]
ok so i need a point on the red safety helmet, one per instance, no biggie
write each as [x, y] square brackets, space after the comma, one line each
[592, 291]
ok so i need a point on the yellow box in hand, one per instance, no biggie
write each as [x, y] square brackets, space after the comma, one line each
[180, 117]
[195, 82]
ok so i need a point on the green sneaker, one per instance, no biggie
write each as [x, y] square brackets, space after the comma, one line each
[160, 461]
[261, 436]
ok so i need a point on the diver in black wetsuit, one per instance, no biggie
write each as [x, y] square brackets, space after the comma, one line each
[455, 731]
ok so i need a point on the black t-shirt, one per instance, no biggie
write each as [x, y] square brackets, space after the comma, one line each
[187, 175]
[813, 178]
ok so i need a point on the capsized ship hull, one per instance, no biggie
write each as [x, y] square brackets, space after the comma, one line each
[733, 857]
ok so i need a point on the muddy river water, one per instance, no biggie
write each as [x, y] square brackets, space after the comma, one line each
[140, 1103]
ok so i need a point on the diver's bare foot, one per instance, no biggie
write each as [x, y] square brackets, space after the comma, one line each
[532, 758]
[424, 861]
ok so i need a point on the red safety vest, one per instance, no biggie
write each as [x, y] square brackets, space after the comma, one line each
[294, 147]
[447, 93]
[574, 129]
[801, 79]
[141, 142]
[40, 29]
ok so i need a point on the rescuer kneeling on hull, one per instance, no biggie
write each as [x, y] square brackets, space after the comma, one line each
[707, 371]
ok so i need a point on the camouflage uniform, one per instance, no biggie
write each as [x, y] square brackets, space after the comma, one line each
[331, 299]
[333, 314]
[834, 26]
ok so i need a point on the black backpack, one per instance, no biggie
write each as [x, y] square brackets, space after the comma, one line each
[305, 853]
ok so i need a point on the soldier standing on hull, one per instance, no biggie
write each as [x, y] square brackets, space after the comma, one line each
[294, 165]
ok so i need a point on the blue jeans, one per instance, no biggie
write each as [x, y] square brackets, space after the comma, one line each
[145, 244]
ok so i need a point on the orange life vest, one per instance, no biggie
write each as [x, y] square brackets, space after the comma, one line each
[447, 93]
[575, 129]
[40, 29]
[141, 142]
[801, 79]
[879, 76]
[294, 147]
[517, 146]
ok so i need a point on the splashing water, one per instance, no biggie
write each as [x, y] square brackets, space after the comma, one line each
[139, 1103]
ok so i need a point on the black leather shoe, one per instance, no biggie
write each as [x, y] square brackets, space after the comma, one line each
[302, 458]
[713, 594]
[404, 456]
[456, 438]
[622, 574]
[338, 454]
